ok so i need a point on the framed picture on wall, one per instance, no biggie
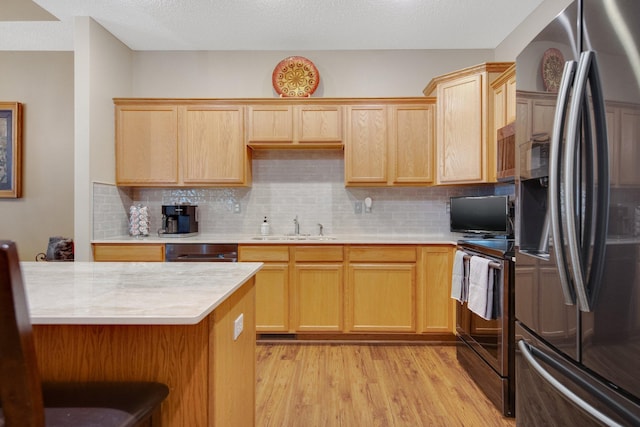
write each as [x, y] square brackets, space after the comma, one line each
[10, 150]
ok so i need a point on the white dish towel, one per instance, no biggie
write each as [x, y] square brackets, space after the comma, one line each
[480, 287]
[457, 277]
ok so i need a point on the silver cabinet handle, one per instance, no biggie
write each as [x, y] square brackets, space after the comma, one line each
[555, 158]
[530, 358]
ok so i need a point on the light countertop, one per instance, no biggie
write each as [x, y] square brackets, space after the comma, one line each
[417, 239]
[129, 293]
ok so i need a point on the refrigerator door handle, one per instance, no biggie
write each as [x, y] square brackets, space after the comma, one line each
[529, 353]
[603, 189]
[587, 72]
[555, 159]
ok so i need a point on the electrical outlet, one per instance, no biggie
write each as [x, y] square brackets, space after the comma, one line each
[448, 208]
[358, 207]
[238, 326]
[236, 208]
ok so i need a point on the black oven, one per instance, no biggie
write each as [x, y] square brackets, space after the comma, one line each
[485, 348]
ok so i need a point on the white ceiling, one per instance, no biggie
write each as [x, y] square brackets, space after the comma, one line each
[268, 24]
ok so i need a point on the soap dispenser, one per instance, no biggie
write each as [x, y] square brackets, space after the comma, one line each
[264, 227]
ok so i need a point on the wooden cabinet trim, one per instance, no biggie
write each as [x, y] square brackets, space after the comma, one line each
[128, 252]
[382, 253]
[318, 253]
[263, 253]
[506, 75]
[488, 67]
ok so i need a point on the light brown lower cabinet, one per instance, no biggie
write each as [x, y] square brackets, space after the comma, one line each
[318, 297]
[354, 289]
[381, 298]
[381, 289]
[439, 308]
[272, 286]
[317, 288]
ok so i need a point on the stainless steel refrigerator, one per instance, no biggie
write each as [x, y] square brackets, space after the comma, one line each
[577, 280]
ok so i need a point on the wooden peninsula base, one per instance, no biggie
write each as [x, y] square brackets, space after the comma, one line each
[210, 375]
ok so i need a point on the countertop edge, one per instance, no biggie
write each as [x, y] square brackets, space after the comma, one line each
[312, 240]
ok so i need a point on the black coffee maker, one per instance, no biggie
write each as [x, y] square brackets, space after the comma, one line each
[179, 219]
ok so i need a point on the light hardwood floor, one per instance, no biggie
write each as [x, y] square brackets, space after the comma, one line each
[327, 385]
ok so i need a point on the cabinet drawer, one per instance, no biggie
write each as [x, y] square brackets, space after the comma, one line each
[262, 253]
[318, 253]
[382, 254]
[128, 252]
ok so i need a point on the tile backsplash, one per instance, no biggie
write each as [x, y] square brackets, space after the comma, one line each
[308, 184]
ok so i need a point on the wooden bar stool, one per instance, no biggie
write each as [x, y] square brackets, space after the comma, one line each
[25, 401]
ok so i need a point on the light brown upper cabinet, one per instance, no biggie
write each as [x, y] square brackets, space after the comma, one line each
[504, 98]
[212, 142]
[279, 125]
[412, 144]
[169, 143]
[390, 144]
[366, 145]
[146, 144]
[465, 135]
[504, 113]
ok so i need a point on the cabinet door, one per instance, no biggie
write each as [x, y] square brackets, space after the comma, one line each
[146, 145]
[613, 136]
[460, 142]
[439, 307]
[542, 115]
[629, 149]
[272, 285]
[318, 125]
[213, 149]
[366, 145]
[318, 304]
[504, 99]
[270, 123]
[272, 298]
[381, 298]
[411, 144]
[500, 106]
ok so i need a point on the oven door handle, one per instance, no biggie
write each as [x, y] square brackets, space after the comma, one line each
[530, 353]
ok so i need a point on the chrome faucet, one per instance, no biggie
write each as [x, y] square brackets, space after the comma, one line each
[296, 226]
[321, 229]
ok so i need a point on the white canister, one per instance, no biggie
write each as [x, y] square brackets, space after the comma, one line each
[265, 228]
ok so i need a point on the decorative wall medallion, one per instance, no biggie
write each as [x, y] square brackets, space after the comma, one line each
[552, 66]
[295, 76]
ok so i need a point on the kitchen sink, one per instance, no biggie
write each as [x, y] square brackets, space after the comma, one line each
[293, 238]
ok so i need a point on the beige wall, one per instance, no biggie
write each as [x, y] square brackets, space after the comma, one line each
[220, 74]
[43, 82]
[102, 68]
[509, 49]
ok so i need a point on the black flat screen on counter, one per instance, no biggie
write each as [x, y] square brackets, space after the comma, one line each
[480, 215]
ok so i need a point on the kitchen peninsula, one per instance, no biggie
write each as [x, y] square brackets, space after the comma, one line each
[188, 325]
